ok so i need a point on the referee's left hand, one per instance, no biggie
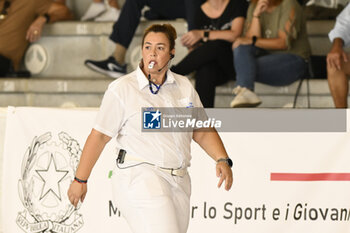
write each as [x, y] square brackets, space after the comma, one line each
[224, 172]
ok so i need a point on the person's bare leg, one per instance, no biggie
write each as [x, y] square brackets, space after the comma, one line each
[338, 84]
[119, 54]
[114, 3]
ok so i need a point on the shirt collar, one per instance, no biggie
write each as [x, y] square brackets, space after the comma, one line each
[143, 80]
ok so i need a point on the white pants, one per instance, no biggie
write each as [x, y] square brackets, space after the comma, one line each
[152, 201]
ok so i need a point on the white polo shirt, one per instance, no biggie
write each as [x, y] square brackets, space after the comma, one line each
[120, 115]
[342, 27]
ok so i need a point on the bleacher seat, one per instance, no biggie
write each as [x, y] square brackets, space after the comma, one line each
[65, 81]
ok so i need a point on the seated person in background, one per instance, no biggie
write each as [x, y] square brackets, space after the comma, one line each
[21, 22]
[218, 23]
[274, 51]
[338, 62]
[124, 29]
[98, 11]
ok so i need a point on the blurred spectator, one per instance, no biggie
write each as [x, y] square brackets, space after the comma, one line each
[98, 11]
[323, 9]
[124, 29]
[338, 61]
[327, 3]
[21, 22]
[217, 24]
[274, 51]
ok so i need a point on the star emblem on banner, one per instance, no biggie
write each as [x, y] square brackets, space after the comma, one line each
[156, 115]
[51, 178]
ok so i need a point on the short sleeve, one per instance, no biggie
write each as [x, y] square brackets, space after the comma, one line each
[290, 20]
[110, 117]
[342, 27]
[241, 8]
[198, 19]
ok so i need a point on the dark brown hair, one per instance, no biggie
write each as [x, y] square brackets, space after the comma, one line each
[271, 2]
[167, 29]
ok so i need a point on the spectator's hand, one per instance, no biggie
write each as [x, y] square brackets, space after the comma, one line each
[191, 37]
[335, 57]
[224, 172]
[242, 41]
[76, 192]
[261, 7]
[35, 29]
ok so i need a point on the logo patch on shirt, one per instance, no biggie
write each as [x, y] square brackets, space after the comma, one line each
[190, 105]
[152, 119]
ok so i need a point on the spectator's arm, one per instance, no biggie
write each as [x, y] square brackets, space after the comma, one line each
[278, 43]
[58, 12]
[229, 35]
[254, 27]
[35, 29]
[289, 25]
[55, 12]
[192, 37]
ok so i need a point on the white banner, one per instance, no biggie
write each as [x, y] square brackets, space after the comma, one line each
[283, 182]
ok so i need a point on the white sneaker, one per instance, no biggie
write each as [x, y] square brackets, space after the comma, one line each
[94, 10]
[112, 14]
[244, 98]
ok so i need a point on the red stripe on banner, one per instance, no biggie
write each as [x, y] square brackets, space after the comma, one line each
[310, 177]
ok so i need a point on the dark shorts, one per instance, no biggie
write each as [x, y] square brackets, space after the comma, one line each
[5, 65]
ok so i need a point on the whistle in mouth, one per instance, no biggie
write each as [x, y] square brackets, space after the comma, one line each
[150, 65]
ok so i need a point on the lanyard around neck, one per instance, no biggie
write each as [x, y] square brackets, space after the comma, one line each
[152, 84]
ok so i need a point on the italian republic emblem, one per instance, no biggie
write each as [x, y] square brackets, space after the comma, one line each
[48, 168]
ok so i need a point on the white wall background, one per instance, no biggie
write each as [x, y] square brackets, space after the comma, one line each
[256, 155]
[2, 136]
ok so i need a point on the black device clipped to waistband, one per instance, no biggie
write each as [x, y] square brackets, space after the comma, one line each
[121, 156]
